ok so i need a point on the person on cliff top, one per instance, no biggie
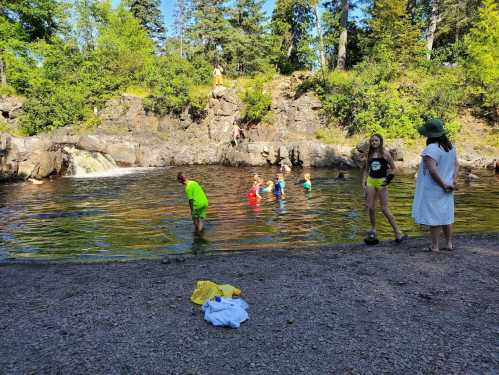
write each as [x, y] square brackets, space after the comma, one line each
[307, 185]
[198, 202]
[217, 75]
[433, 203]
[377, 174]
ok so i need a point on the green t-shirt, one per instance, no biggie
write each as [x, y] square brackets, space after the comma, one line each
[195, 192]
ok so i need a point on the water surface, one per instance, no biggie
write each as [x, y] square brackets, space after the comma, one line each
[143, 213]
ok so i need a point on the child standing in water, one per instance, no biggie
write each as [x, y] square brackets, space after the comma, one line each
[375, 180]
[307, 185]
[255, 189]
[279, 186]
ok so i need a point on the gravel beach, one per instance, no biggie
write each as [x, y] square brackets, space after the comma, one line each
[347, 309]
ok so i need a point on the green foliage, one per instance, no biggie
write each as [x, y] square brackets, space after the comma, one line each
[291, 24]
[170, 80]
[35, 19]
[257, 102]
[50, 107]
[247, 50]
[372, 98]
[209, 30]
[482, 65]
[123, 45]
[392, 34]
[149, 15]
[7, 90]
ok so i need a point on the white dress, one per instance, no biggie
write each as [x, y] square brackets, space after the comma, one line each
[432, 205]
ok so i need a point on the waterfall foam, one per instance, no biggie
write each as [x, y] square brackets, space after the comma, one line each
[84, 163]
[87, 164]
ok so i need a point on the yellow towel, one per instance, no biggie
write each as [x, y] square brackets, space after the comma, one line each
[206, 290]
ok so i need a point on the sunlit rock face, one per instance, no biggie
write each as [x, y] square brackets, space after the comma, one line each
[129, 136]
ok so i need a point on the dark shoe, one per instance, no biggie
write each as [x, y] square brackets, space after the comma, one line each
[371, 239]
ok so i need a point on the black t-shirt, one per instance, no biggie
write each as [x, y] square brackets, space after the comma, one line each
[377, 167]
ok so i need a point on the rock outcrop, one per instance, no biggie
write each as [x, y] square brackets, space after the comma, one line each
[132, 137]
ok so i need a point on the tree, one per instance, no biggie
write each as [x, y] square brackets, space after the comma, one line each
[123, 46]
[482, 68]
[322, 55]
[23, 22]
[149, 15]
[342, 45]
[86, 23]
[37, 19]
[208, 31]
[248, 45]
[291, 22]
[180, 23]
[392, 34]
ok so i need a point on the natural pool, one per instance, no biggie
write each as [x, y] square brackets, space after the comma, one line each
[143, 213]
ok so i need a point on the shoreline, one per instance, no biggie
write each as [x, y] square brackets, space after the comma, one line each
[180, 257]
[345, 310]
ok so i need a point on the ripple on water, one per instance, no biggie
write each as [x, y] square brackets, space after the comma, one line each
[143, 213]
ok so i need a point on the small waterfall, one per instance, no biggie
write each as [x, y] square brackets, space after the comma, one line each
[83, 163]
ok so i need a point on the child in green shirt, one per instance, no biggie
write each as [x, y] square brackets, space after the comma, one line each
[198, 202]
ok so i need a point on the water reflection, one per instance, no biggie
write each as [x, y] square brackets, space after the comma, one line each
[145, 214]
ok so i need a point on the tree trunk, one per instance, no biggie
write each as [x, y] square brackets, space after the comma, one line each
[431, 28]
[342, 45]
[319, 34]
[181, 45]
[3, 74]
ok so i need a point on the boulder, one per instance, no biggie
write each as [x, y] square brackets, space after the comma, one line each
[11, 106]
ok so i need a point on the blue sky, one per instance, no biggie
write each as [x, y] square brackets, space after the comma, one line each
[167, 9]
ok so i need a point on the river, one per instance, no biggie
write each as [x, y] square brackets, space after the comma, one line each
[143, 213]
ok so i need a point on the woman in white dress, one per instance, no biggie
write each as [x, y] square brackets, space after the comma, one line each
[434, 199]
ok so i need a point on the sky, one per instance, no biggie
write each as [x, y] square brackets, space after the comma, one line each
[167, 9]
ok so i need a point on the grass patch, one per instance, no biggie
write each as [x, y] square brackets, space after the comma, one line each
[138, 91]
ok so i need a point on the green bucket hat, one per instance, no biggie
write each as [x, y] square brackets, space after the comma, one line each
[433, 128]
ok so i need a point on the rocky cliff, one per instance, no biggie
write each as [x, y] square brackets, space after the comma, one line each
[133, 137]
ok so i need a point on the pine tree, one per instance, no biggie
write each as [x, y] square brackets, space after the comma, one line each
[291, 23]
[149, 15]
[248, 47]
[208, 31]
[392, 34]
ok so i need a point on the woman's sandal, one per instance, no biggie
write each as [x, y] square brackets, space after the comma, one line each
[371, 238]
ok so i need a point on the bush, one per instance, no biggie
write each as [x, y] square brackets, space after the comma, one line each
[257, 102]
[379, 98]
[53, 106]
[176, 84]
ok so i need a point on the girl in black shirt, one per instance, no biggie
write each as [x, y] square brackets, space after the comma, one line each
[376, 177]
